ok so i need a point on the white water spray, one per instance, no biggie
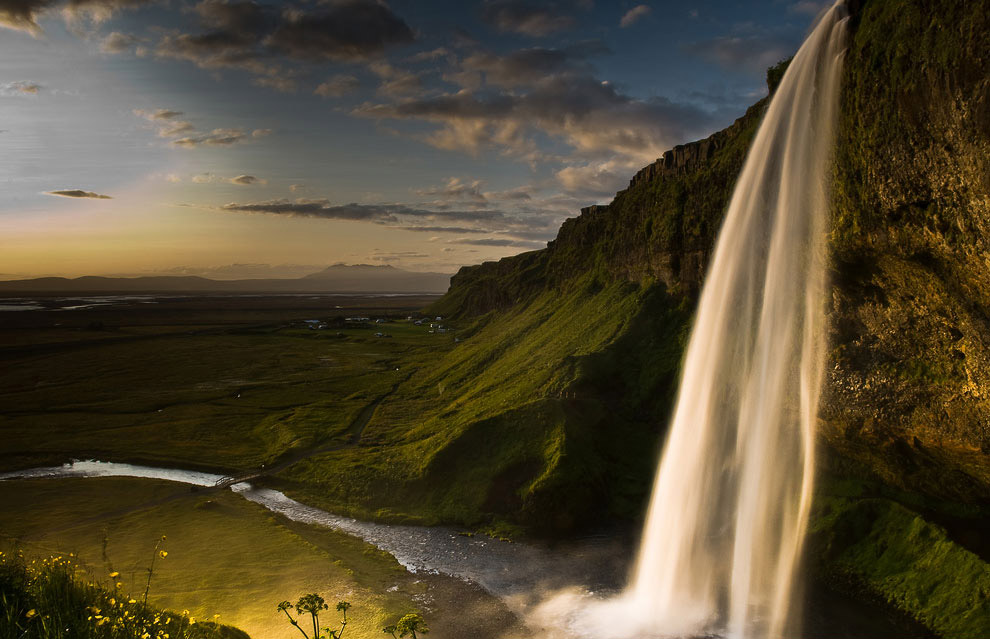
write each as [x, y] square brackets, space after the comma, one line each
[730, 503]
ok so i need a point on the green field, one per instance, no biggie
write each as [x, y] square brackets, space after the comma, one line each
[201, 387]
[226, 556]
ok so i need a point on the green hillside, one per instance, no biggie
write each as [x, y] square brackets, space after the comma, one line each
[549, 412]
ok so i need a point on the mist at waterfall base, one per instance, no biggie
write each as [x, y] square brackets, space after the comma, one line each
[730, 503]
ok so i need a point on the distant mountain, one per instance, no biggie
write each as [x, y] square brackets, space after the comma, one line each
[339, 278]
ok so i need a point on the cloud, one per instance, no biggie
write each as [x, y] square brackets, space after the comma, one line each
[117, 42]
[173, 129]
[252, 36]
[22, 15]
[378, 213]
[247, 180]
[78, 193]
[456, 189]
[396, 256]
[442, 229]
[338, 86]
[524, 67]
[630, 17]
[20, 88]
[100, 10]
[591, 116]
[346, 30]
[157, 114]
[217, 137]
[433, 54]
[240, 180]
[166, 121]
[595, 180]
[526, 18]
[749, 52]
[261, 133]
[396, 82]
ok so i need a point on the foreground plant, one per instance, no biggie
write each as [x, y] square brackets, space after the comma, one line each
[313, 604]
[49, 599]
[408, 626]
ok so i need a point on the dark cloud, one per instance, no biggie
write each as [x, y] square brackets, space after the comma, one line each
[78, 193]
[379, 213]
[246, 180]
[527, 18]
[434, 54]
[525, 66]
[752, 53]
[248, 35]
[23, 14]
[344, 30]
[630, 17]
[442, 229]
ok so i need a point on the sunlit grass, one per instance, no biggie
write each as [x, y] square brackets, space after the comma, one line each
[226, 556]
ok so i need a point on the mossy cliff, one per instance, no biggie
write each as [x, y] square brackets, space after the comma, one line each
[551, 410]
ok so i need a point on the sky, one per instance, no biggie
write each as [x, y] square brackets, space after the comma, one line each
[242, 138]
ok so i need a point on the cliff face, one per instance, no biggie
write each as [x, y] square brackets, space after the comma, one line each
[908, 389]
[905, 418]
[908, 393]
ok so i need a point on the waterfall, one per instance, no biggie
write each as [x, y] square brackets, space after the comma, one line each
[730, 502]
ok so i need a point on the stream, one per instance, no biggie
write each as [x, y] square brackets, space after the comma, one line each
[503, 569]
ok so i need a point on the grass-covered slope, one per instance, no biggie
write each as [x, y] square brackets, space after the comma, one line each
[550, 410]
[544, 414]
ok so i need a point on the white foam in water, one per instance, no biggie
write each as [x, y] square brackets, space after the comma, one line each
[732, 493]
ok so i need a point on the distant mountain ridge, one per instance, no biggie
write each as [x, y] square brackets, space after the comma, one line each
[339, 278]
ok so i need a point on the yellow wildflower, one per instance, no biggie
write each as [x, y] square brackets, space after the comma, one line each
[114, 574]
[163, 554]
[30, 613]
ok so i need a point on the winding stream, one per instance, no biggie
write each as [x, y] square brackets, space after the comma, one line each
[503, 569]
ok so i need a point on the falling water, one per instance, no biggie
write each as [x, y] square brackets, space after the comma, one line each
[730, 502]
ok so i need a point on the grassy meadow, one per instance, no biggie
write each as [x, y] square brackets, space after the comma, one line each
[195, 384]
[226, 555]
